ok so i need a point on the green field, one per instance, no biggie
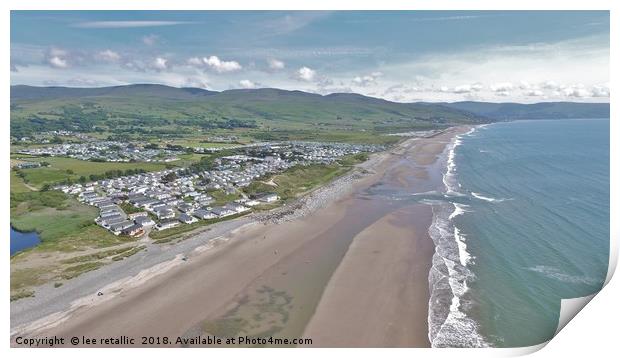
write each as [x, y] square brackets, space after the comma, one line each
[62, 222]
[61, 169]
[65, 227]
[300, 179]
[17, 184]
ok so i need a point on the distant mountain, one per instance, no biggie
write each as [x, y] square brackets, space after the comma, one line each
[260, 104]
[150, 108]
[543, 110]
[22, 92]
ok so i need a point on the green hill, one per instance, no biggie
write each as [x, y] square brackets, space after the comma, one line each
[158, 111]
[159, 108]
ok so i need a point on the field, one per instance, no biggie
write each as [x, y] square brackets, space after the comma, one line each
[61, 169]
[66, 229]
[300, 179]
[63, 223]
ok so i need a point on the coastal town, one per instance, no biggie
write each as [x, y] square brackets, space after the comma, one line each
[106, 151]
[135, 204]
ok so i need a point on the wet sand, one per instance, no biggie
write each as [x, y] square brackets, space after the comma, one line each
[310, 277]
[378, 297]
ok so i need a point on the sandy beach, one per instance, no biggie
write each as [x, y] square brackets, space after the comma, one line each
[350, 272]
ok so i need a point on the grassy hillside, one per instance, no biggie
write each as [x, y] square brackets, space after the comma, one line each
[160, 110]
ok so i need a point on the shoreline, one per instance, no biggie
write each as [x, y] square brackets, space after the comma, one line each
[289, 250]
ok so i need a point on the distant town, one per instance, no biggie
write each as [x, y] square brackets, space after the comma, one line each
[169, 198]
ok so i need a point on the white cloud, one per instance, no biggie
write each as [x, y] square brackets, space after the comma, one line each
[550, 85]
[195, 61]
[534, 93]
[214, 63]
[57, 58]
[108, 56]
[600, 91]
[247, 84]
[502, 87]
[578, 91]
[468, 88]
[58, 62]
[547, 67]
[160, 64]
[367, 80]
[222, 66]
[275, 64]
[150, 40]
[306, 74]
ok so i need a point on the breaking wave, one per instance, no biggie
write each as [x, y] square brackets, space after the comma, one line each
[489, 199]
[449, 324]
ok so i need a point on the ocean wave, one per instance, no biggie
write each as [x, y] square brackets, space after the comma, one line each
[459, 209]
[556, 274]
[489, 199]
[449, 325]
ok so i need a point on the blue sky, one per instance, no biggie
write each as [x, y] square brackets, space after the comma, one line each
[398, 55]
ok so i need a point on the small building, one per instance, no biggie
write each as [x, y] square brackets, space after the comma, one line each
[167, 224]
[164, 214]
[27, 165]
[204, 214]
[221, 211]
[238, 208]
[185, 208]
[252, 202]
[134, 230]
[134, 216]
[269, 198]
[187, 219]
[144, 221]
[117, 228]
[107, 222]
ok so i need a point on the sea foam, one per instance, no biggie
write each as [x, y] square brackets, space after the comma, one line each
[449, 325]
[486, 198]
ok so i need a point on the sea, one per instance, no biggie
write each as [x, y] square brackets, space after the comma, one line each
[522, 223]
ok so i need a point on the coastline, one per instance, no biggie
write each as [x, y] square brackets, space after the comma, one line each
[302, 258]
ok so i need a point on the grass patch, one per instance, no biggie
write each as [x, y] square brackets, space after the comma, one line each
[92, 236]
[26, 277]
[21, 294]
[39, 199]
[298, 180]
[222, 198]
[61, 169]
[63, 223]
[168, 235]
[128, 253]
[75, 271]
[17, 184]
[129, 209]
[96, 256]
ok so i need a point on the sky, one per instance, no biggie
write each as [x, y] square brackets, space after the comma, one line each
[403, 56]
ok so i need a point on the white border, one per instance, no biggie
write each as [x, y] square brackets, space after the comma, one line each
[593, 330]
